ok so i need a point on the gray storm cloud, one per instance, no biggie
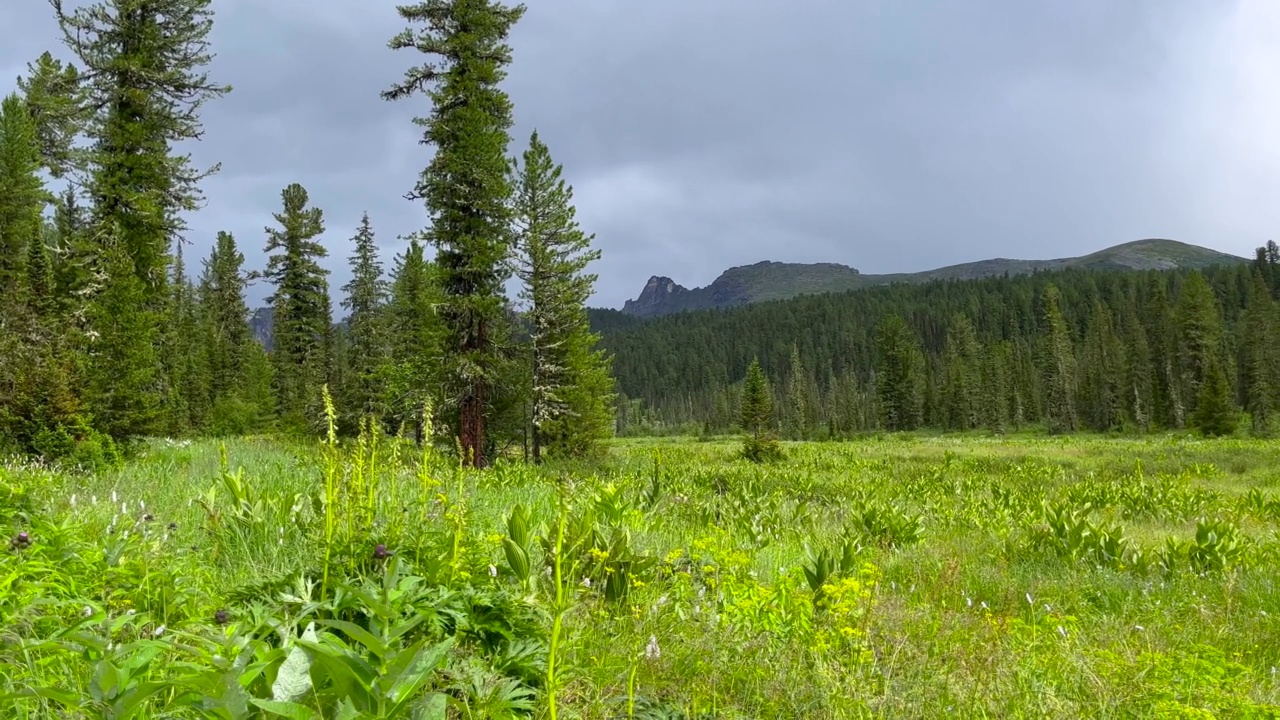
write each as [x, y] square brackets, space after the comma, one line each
[887, 136]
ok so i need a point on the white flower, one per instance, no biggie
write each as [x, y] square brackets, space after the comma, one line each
[88, 611]
[586, 582]
[1062, 631]
[114, 499]
[493, 571]
[652, 651]
[1029, 600]
[158, 631]
[73, 500]
[124, 508]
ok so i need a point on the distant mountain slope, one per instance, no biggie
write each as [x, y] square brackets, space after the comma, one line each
[775, 281]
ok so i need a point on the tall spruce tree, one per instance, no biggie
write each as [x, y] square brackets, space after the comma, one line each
[1137, 389]
[411, 380]
[963, 368]
[1199, 335]
[466, 188]
[899, 374]
[227, 343]
[1260, 356]
[143, 84]
[799, 399]
[301, 309]
[1057, 364]
[572, 390]
[368, 344]
[756, 411]
[1215, 412]
[1102, 372]
[188, 391]
[22, 196]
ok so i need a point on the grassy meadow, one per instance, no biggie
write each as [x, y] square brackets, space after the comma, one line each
[899, 577]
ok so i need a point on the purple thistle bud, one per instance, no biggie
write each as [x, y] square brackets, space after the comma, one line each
[380, 552]
[24, 538]
[222, 617]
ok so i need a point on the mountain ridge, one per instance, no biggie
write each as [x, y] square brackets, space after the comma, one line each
[769, 280]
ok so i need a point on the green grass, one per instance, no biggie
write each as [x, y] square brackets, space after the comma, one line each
[946, 588]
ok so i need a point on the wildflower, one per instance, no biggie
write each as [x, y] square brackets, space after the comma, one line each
[380, 552]
[114, 499]
[493, 571]
[1029, 600]
[652, 651]
[1062, 631]
[158, 631]
[222, 617]
[586, 582]
[21, 541]
[87, 612]
[73, 500]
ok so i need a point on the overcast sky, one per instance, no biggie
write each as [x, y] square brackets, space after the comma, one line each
[890, 136]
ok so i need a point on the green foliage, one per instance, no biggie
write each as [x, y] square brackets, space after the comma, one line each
[759, 446]
[466, 188]
[412, 377]
[1215, 413]
[302, 318]
[369, 344]
[22, 195]
[899, 377]
[1113, 361]
[778, 593]
[571, 389]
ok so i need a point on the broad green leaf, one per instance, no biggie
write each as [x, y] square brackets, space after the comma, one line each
[293, 680]
[130, 702]
[286, 709]
[408, 674]
[105, 682]
[66, 698]
[433, 707]
[360, 635]
[349, 674]
[346, 711]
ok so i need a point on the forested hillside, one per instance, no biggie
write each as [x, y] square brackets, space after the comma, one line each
[764, 281]
[1073, 349]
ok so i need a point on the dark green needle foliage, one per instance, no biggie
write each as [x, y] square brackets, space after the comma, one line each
[466, 188]
[756, 411]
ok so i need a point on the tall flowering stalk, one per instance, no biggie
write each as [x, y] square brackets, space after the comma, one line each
[560, 607]
[331, 468]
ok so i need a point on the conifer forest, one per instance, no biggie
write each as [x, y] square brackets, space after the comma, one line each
[451, 488]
